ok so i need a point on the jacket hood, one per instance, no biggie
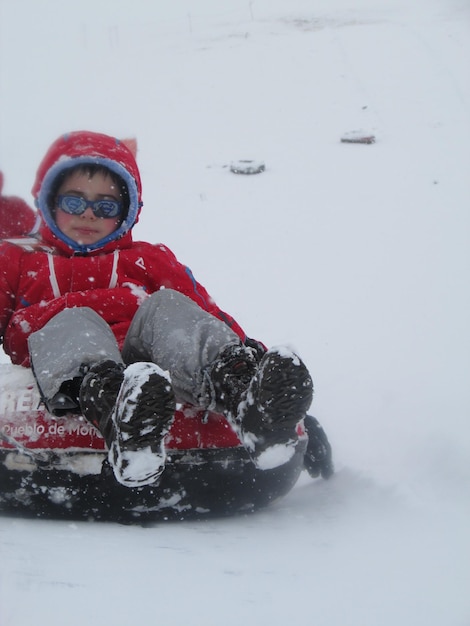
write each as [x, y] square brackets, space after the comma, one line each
[84, 148]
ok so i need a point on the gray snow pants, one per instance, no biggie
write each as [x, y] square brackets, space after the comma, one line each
[169, 329]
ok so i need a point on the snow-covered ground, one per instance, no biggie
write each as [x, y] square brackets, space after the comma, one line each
[356, 255]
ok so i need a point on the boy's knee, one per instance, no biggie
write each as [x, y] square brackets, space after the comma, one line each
[162, 296]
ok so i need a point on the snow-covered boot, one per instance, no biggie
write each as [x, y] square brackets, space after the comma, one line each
[228, 377]
[276, 401]
[265, 403]
[133, 408]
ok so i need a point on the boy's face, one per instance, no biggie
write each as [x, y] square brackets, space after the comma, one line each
[87, 228]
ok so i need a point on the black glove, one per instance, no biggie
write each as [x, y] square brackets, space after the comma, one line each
[318, 458]
[259, 350]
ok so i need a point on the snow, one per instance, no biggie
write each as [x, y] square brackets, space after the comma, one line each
[275, 456]
[355, 255]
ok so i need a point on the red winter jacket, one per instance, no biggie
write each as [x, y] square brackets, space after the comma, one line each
[41, 277]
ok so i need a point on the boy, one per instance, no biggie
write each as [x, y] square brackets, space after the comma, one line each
[120, 330]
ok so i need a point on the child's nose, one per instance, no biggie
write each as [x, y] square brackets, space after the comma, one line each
[88, 213]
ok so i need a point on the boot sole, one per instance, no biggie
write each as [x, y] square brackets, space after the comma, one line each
[140, 460]
[277, 400]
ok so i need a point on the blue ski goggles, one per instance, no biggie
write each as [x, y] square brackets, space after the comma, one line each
[76, 205]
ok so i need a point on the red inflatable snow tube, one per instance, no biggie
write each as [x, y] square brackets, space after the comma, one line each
[56, 466]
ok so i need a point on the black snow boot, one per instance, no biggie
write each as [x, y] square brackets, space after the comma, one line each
[276, 401]
[265, 402]
[133, 408]
[229, 376]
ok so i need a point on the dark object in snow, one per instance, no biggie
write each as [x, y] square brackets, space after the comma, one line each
[56, 467]
[318, 457]
[358, 136]
[247, 167]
